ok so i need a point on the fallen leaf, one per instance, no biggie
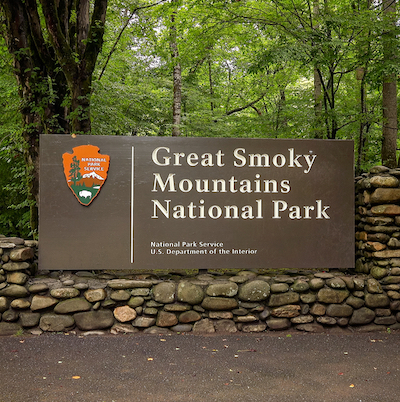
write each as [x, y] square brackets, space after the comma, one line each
[340, 373]
[76, 377]
[351, 385]
[150, 359]
[163, 340]
[21, 341]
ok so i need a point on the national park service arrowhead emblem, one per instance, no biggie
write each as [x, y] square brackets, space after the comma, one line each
[85, 171]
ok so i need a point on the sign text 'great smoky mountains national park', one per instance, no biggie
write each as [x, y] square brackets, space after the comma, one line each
[183, 203]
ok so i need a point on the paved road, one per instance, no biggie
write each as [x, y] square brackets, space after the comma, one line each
[275, 367]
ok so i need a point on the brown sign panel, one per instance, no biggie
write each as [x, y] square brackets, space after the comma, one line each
[155, 202]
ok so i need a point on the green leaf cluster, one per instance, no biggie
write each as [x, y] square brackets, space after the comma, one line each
[249, 69]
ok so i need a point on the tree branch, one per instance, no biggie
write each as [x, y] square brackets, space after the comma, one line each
[239, 109]
[114, 46]
[96, 34]
[60, 44]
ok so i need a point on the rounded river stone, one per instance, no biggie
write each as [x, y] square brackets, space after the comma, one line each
[219, 303]
[124, 313]
[329, 295]
[93, 320]
[56, 322]
[189, 316]
[254, 291]
[42, 302]
[164, 292]
[190, 293]
[362, 316]
[64, 293]
[95, 295]
[227, 289]
[14, 291]
[280, 299]
[72, 306]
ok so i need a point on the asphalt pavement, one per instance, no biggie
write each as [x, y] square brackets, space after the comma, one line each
[267, 367]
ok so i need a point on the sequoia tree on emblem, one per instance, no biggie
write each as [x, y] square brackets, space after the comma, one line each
[85, 171]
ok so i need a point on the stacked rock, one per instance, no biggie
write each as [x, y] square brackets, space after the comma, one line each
[364, 299]
[378, 224]
[17, 265]
[244, 300]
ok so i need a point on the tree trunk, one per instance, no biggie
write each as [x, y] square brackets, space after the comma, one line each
[281, 121]
[389, 90]
[33, 76]
[363, 124]
[177, 79]
[210, 80]
[317, 104]
[80, 90]
[389, 132]
[77, 46]
[318, 133]
[48, 73]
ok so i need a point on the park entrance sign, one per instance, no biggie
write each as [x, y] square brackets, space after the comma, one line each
[179, 203]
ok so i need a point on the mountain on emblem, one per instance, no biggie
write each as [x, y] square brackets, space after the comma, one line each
[85, 171]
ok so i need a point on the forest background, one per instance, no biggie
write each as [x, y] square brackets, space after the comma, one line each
[324, 69]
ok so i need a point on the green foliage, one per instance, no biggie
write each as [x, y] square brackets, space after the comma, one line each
[14, 216]
[247, 71]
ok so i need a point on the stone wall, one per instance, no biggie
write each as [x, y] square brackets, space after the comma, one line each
[378, 227]
[364, 299]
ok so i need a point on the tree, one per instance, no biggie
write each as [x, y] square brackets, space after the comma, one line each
[177, 74]
[323, 37]
[77, 45]
[55, 48]
[14, 210]
[75, 171]
[132, 93]
[389, 86]
[254, 68]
